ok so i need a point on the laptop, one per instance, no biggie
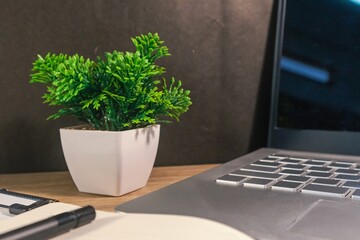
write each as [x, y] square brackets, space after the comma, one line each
[306, 184]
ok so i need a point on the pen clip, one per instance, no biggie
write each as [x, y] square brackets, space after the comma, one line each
[17, 208]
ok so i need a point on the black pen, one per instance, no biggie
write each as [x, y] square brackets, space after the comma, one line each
[52, 226]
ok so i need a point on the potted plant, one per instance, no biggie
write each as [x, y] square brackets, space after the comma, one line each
[122, 101]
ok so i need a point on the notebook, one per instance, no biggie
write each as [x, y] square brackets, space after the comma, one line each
[109, 225]
[305, 184]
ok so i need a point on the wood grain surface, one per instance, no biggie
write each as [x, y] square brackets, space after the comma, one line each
[59, 185]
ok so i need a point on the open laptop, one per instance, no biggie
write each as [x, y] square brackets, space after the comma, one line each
[306, 185]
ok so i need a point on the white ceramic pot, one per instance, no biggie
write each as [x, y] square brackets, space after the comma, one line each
[107, 162]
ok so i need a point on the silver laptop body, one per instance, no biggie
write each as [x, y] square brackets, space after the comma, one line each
[307, 185]
[261, 213]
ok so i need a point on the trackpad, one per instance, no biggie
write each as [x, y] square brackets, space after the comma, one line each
[330, 220]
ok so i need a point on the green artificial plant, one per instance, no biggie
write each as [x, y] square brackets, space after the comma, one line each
[120, 92]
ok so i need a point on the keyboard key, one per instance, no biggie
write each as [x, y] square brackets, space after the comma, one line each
[231, 180]
[260, 169]
[356, 194]
[293, 166]
[351, 184]
[292, 172]
[324, 181]
[287, 186]
[258, 182]
[319, 174]
[357, 167]
[276, 155]
[340, 165]
[325, 190]
[269, 159]
[346, 162]
[279, 155]
[347, 171]
[252, 174]
[301, 159]
[347, 177]
[300, 179]
[322, 160]
[314, 163]
[289, 160]
[266, 164]
[319, 169]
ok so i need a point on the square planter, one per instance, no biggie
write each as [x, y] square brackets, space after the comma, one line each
[107, 162]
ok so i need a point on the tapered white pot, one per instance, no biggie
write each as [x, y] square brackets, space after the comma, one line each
[107, 162]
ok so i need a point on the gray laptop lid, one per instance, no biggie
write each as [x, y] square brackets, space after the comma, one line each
[316, 83]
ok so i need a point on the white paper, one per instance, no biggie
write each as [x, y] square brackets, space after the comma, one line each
[131, 226]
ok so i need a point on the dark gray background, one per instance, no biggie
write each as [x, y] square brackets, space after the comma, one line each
[221, 50]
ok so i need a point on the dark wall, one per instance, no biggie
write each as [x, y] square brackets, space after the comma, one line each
[218, 50]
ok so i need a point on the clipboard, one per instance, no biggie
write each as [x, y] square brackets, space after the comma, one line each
[14, 203]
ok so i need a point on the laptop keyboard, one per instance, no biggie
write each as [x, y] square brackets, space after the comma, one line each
[310, 176]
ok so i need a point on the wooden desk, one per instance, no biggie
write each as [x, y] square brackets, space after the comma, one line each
[59, 185]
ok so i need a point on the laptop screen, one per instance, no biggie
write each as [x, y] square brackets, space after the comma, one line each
[316, 95]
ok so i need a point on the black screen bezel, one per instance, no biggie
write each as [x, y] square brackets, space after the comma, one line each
[323, 141]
